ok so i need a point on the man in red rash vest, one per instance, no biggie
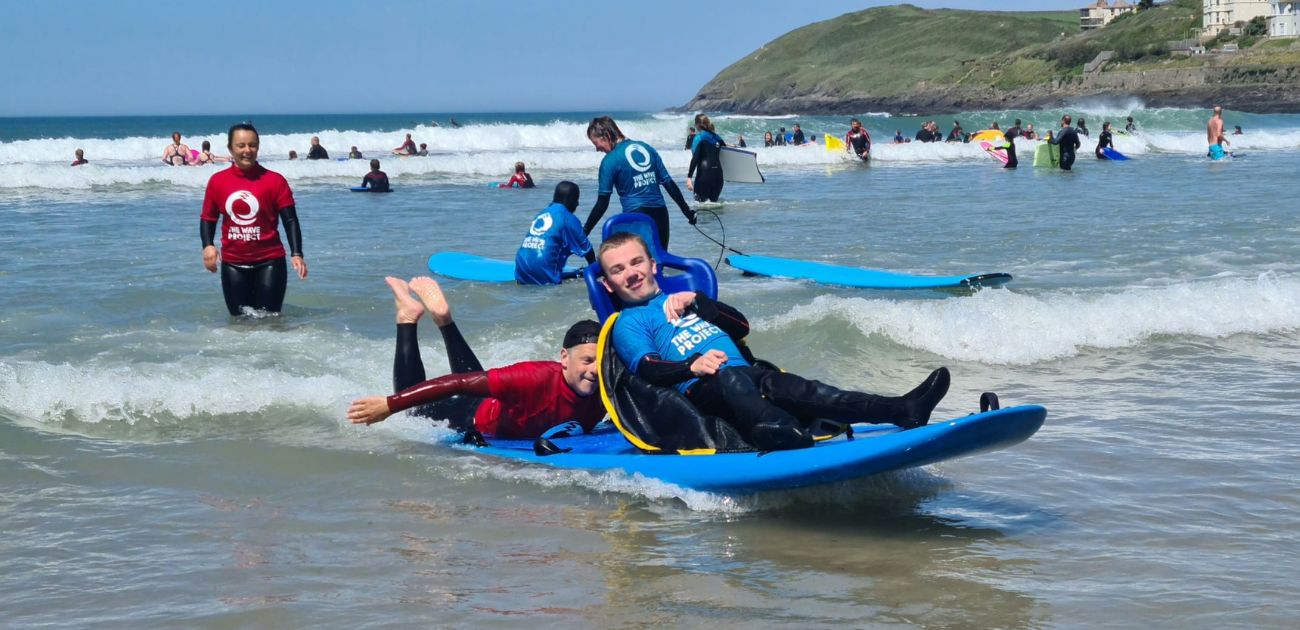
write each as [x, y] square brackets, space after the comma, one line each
[522, 400]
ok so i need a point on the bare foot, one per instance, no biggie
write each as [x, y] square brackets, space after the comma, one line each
[408, 309]
[430, 294]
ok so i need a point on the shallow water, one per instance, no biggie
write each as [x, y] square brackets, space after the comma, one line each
[165, 465]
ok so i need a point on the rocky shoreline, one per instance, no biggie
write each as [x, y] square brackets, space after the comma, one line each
[1260, 89]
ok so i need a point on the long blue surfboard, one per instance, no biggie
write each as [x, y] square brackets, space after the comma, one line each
[479, 269]
[370, 190]
[857, 276]
[872, 449]
[1112, 154]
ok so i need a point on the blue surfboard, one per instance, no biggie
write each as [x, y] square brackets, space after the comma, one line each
[364, 189]
[1113, 154]
[857, 276]
[872, 449]
[479, 269]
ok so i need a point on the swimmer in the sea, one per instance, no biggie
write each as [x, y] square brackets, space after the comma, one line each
[81, 158]
[176, 153]
[376, 180]
[521, 178]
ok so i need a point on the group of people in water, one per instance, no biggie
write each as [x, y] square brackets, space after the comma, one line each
[713, 370]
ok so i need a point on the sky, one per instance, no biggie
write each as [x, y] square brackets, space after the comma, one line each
[147, 57]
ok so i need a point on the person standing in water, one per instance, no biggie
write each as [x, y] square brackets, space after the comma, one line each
[858, 140]
[634, 169]
[1068, 139]
[251, 199]
[81, 158]
[1214, 135]
[176, 153]
[704, 158]
[1010, 135]
[1104, 141]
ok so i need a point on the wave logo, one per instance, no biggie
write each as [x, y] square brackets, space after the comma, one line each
[638, 157]
[242, 207]
[541, 224]
[686, 321]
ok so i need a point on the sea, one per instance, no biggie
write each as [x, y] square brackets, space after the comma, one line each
[165, 465]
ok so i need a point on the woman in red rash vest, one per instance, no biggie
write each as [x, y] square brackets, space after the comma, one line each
[250, 200]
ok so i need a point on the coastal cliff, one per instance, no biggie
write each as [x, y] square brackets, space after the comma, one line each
[907, 60]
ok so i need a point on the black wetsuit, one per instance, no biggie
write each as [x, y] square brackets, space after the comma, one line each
[780, 139]
[1011, 134]
[705, 160]
[1068, 139]
[259, 285]
[376, 181]
[690, 141]
[861, 144]
[798, 137]
[408, 371]
[318, 152]
[1104, 141]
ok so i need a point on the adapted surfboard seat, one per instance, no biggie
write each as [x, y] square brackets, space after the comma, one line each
[696, 275]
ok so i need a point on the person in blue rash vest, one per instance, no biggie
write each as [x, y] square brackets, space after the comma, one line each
[687, 341]
[553, 236]
[634, 169]
[706, 165]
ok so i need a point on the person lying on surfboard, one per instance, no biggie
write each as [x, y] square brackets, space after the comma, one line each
[687, 341]
[523, 400]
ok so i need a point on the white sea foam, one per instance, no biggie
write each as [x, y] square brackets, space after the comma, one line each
[1007, 327]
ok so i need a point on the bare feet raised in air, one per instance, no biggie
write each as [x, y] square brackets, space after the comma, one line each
[409, 309]
[430, 294]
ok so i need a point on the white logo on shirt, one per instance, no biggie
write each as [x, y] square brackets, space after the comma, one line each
[635, 151]
[541, 224]
[249, 201]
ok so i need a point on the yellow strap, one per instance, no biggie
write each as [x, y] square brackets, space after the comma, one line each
[601, 344]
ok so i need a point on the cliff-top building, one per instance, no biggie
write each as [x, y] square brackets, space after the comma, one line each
[1284, 21]
[1220, 14]
[1101, 13]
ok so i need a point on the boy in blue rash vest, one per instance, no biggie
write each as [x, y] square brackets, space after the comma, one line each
[553, 236]
[686, 341]
[634, 169]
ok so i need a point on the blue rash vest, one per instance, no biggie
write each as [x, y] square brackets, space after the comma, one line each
[634, 169]
[553, 236]
[644, 329]
[705, 136]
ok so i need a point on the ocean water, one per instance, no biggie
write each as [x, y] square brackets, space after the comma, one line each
[165, 465]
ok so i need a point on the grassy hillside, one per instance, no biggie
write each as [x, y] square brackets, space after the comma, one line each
[885, 50]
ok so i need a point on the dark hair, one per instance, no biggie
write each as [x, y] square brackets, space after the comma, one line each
[566, 194]
[702, 121]
[207, 146]
[604, 127]
[585, 331]
[243, 126]
[374, 164]
[1017, 122]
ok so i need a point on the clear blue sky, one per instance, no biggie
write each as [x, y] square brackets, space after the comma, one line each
[214, 56]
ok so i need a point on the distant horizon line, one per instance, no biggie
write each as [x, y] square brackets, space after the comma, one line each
[352, 113]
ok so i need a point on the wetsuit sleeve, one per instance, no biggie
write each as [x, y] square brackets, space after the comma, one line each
[656, 371]
[597, 211]
[676, 194]
[695, 161]
[722, 315]
[289, 217]
[469, 383]
[207, 232]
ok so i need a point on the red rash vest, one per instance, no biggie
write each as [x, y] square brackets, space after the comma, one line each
[251, 202]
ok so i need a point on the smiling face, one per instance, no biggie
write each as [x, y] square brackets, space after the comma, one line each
[579, 367]
[629, 272]
[243, 148]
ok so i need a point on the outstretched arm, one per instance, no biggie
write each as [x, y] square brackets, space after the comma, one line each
[597, 211]
[377, 408]
[676, 194]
